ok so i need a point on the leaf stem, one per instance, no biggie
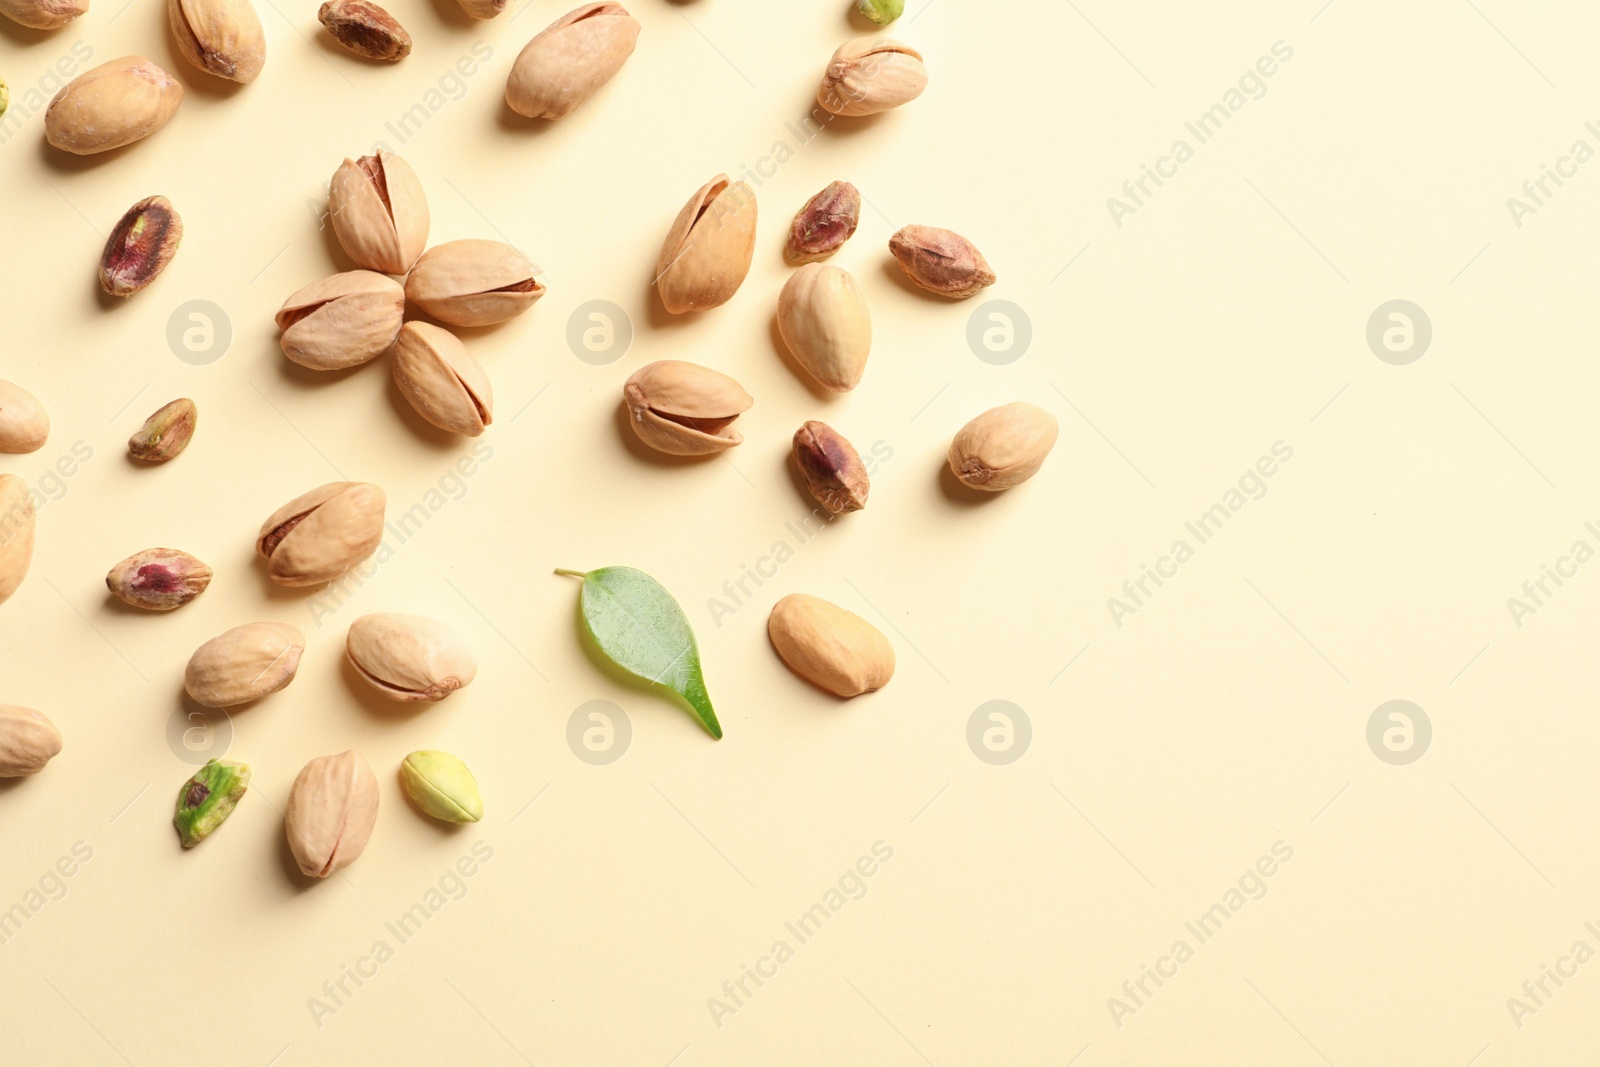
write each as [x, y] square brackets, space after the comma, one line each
[575, 574]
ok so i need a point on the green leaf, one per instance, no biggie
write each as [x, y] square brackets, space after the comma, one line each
[643, 630]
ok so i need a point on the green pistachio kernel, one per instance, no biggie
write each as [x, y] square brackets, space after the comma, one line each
[882, 12]
[441, 786]
[207, 799]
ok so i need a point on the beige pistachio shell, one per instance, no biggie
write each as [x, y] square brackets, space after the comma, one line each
[221, 37]
[474, 283]
[436, 373]
[1003, 447]
[379, 212]
[115, 104]
[342, 321]
[708, 251]
[244, 664]
[823, 318]
[830, 647]
[320, 535]
[28, 740]
[16, 533]
[871, 74]
[24, 425]
[333, 806]
[43, 14]
[570, 59]
[410, 657]
[684, 409]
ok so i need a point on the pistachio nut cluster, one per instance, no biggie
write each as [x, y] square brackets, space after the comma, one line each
[570, 59]
[380, 217]
[333, 806]
[24, 424]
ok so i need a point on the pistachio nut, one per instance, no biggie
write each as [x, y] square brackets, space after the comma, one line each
[570, 59]
[365, 29]
[482, 9]
[831, 468]
[1004, 446]
[825, 223]
[941, 261]
[684, 409]
[221, 37]
[333, 806]
[823, 318]
[473, 283]
[208, 798]
[40, 15]
[708, 251]
[410, 657]
[28, 741]
[320, 535]
[342, 321]
[158, 579]
[379, 212]
[141, 245]
[871, 74]
[830, 647]
[16, 533]
[115, 104]
[5, 90]
[24, 425]
[440, 786]
[165, 433]
[882, 12]
[436, 373]
[244, 664]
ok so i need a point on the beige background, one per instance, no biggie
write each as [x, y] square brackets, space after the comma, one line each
[1167, 755]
